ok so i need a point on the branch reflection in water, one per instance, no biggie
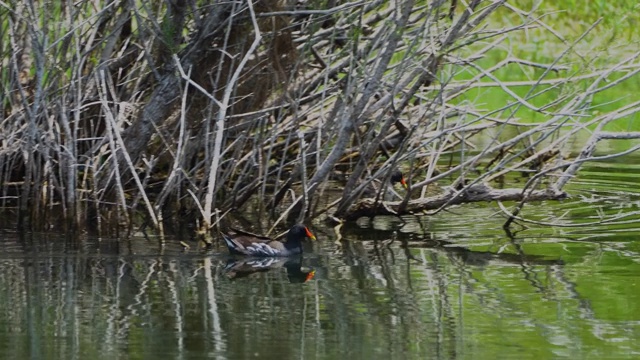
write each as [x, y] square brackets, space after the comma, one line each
[396, 292]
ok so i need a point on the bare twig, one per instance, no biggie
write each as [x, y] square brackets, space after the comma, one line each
[224, 104]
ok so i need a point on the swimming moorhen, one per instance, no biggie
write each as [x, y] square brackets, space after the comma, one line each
[241, 243]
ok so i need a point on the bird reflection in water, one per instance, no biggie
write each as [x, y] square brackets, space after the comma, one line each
[237, 268]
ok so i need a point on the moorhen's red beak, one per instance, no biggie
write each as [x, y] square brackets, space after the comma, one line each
[309, 234]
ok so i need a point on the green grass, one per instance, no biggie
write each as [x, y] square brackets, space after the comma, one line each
[614, 39]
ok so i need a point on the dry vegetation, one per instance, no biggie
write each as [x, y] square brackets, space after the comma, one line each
[117, 112]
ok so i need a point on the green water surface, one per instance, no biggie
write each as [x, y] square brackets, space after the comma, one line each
[452, 285]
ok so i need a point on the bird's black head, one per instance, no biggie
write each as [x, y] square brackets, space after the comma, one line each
[299, 232]
[397, 177]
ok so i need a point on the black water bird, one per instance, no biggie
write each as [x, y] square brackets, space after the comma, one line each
[387, 191]
[243, 243]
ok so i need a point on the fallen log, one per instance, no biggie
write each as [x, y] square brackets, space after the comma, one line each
[369, 207]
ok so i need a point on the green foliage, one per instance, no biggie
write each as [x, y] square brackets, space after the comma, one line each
[613, 39]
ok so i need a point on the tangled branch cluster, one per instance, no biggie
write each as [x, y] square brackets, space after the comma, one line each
[187, 110]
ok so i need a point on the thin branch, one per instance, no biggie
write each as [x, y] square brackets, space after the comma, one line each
[224, 104]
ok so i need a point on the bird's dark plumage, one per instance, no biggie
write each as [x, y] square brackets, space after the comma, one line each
[242, 243]
[397, 177]
[385, 189]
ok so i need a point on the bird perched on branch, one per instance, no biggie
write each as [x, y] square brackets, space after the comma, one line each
[387, 191]
[397, 177]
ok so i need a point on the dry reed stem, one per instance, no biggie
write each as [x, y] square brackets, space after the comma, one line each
[273, 97]
[224, 104]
